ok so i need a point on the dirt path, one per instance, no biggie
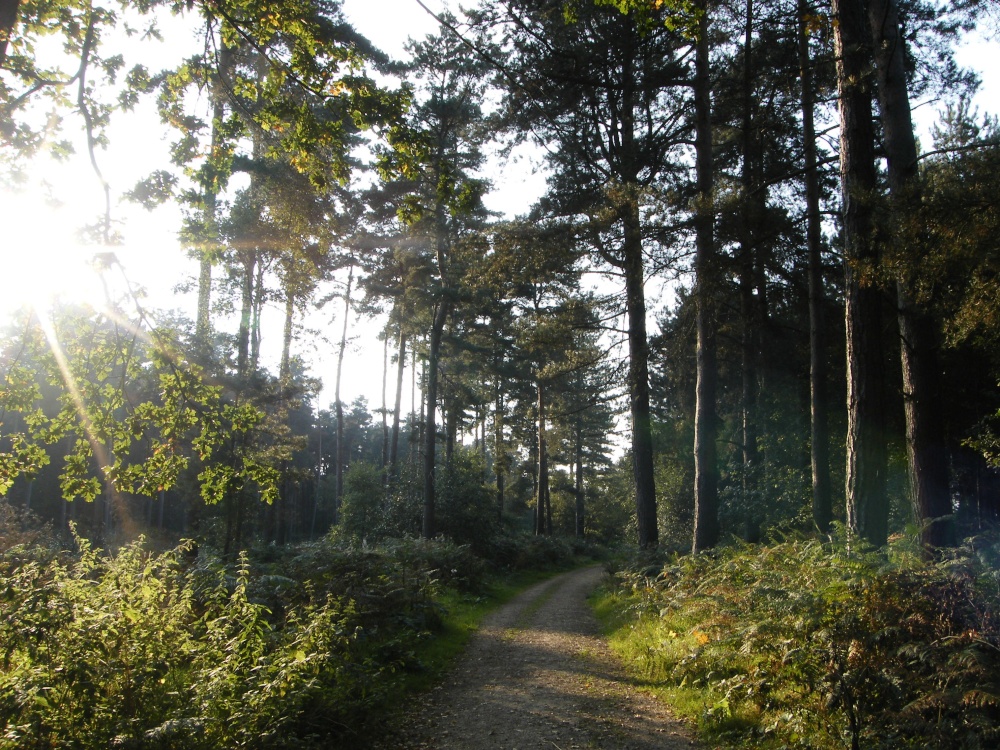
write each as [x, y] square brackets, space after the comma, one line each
[537, 675]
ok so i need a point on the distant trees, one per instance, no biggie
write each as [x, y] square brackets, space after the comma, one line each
[690, 148]
[434, 152]
[604, 92]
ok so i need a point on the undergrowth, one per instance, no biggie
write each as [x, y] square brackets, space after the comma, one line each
[810, 644]
[299, 647]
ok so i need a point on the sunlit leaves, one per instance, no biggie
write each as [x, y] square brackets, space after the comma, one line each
[676, 15]
[77, 480]
[174, 649]
[129, 413]
[156, 189]
[22, 458]
[35, 70]
[291, 70]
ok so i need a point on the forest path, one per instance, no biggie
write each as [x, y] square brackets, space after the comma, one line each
[538, 675]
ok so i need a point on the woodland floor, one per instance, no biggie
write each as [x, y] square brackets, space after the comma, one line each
[538, 675]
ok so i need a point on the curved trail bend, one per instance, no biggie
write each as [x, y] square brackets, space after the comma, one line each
[538, 675]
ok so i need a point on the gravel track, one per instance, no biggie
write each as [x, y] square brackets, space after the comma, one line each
[538, 675]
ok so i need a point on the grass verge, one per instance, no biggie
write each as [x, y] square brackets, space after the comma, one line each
[818, 645]
[631, 635]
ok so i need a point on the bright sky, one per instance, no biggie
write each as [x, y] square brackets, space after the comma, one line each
[41, 220]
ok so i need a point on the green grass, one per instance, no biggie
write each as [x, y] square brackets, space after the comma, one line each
[651, 643]
[645, 644]
[815, 645]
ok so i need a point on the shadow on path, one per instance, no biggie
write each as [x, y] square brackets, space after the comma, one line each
[538, 675]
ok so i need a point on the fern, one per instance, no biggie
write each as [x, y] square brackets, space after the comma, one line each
[820, 644]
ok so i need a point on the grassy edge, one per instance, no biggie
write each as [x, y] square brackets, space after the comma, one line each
[629, 635]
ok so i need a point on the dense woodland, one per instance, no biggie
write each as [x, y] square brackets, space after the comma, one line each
[745, 263]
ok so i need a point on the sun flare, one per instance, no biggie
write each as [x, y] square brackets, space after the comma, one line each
[45, 261]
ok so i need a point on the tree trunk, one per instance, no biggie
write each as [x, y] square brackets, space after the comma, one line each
[400, 369]
[747, 276]
[706, 472]
[385, 407]
[481, 415]
[548, 506]
[203, 324]
[499, 454]
[284, 370]
[638, 381]
[751, 279]
[927, 454]
[578, 487]
[258, 307]
[339, 447]
[450, 430]
[543, 465]
[8, 20]
[422, 423]
[317, 489]
[867, 455]
[246, 315]
[632, 267]
[430, 425]
[822, 503]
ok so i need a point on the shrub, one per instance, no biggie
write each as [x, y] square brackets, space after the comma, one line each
[135, 649]
[362, 510]
[466, 509]
[97, 647]
[814, 645]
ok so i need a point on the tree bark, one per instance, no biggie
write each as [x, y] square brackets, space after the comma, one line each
[258, 308]
[867, 455]
[451, 420]
[422, 422]
[318, 486]
[543, 465]
[430, 424]
[819, 442]
[706, 472]
[284, 370]
[8, 19]
[499, 454]
[339, 447]
[246, 315]
[927, 455]
[750, 334]
[578, 487]
[638, 381]
[400, 369]
[385, 406]
[203, 323]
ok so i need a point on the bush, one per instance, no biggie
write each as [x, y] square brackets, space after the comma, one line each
[466, 509]
[362, 510]
[175, 650]
[813, 645]
[524, 552]
[448, 563]
[96, 647]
